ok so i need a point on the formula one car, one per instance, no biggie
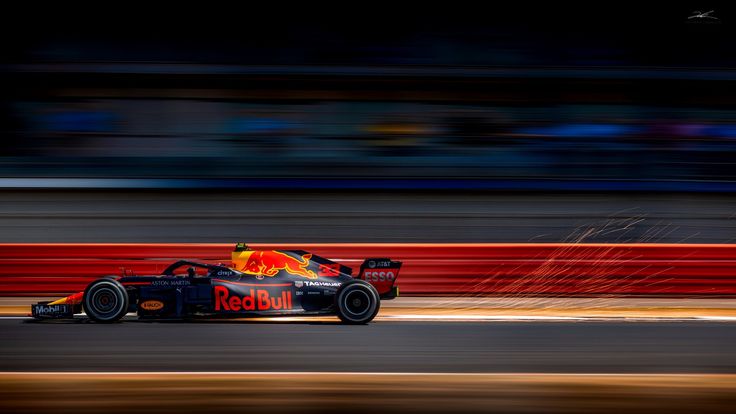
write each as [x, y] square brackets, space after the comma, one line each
[258, 283]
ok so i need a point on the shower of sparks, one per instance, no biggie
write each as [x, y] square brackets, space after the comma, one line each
[578, 275]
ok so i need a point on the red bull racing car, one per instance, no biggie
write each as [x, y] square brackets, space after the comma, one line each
[258, 283]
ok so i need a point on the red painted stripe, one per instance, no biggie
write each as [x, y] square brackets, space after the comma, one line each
[453, 269]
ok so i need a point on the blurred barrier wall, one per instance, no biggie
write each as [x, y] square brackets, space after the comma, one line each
[429, 269]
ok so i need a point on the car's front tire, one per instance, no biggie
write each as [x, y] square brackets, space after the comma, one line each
[357, 302]
[105, 300]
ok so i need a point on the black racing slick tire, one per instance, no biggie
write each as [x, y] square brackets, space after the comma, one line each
[105, 300]
[357, 302]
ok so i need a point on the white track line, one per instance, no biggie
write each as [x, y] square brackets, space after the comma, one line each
[716, 318]
[540, 318]
[462, 318]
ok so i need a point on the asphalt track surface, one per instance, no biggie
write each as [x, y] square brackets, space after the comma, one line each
[291, 217]
[234, 346]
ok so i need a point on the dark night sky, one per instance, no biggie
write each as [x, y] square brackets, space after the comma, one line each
[456, 33]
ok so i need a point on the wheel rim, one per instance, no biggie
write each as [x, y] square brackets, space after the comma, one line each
[357, 302]
[104, 301]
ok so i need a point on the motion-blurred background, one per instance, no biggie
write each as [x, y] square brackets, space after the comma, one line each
[369, 122]
[378, 122]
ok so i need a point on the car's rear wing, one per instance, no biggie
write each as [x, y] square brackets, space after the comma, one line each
[382, 274]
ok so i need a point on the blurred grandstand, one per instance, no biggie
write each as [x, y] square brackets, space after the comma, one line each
[506, 101]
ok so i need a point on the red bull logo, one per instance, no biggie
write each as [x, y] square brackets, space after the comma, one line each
[257, 300]
[270, 263]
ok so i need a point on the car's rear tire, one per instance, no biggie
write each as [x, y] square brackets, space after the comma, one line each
[357, 302]
[105, 300]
